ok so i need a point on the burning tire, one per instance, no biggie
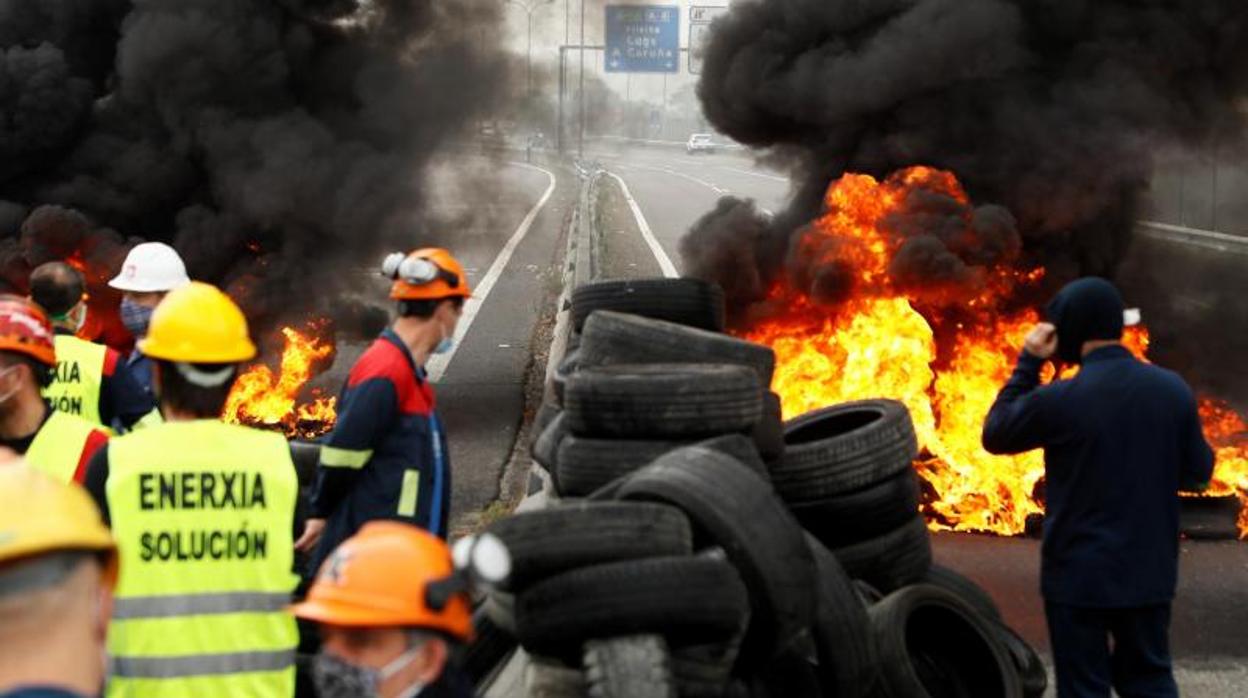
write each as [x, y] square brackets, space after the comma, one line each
[663, 400]
[930, 643]
[616, 338]
[685, 301]
[846, 663]
[548, 542]
[688, 600]
[841, 449]
[737, 511]
[851, 518]
[891, 561]
[585, 464]
[629, 667]
[965, 589]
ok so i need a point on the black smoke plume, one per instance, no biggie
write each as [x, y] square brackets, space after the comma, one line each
[275, 143]
[1050, 109]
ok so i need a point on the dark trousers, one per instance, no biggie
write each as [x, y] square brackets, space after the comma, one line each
[1126, 648]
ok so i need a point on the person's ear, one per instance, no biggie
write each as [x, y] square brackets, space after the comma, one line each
[432, 660]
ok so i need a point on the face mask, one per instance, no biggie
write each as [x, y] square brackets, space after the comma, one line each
[135, 317]
[338, 678]
[445, 345]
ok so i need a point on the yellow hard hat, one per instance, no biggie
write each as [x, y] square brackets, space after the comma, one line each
[42, 515]
[197, 323]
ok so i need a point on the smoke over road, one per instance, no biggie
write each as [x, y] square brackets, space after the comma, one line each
[1048, 111]
[268, 140]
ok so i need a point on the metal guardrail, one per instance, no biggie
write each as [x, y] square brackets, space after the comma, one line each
[1208, 239]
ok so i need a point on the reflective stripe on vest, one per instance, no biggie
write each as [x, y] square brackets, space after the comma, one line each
[58, 447]
[202, 512]
[79, 374]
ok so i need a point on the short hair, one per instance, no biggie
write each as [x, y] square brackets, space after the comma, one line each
[424, 309]
[41, 371]
[57, 287]
[184, 396]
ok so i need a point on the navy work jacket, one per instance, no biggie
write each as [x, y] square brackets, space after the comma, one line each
[1120, 439]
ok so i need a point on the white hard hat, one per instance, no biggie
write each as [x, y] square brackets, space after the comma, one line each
[151, 267]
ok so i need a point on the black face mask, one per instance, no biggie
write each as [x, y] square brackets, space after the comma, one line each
[1085, 310]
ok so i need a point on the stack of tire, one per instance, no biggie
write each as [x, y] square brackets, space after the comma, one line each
[650, 370]
[847, 475]
[702, 547]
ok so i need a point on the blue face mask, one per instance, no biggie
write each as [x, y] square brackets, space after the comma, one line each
[135, 317]
[445, 346]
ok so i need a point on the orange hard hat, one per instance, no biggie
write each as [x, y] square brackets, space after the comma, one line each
[427, 274]
[25, 329]
[382, 577]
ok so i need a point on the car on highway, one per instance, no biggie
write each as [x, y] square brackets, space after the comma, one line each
[700, 143]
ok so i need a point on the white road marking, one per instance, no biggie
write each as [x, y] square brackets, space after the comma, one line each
[436, 366]
[764, 175]
[667, 170]
[665, 262]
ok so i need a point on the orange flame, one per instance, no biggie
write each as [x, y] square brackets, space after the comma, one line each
[877, 344]
[263, 399]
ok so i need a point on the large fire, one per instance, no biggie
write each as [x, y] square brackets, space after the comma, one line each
[268, 400]
[945, 365]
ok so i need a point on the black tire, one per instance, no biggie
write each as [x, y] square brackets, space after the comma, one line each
[546, 445]
[586, 464]
[930, 643]
[565, 368]
[970, 592]
[768, 434]
[546, 413]
[1031, 672]
[490, 647]
[688, 600]
[741, 448]
[547, 542]
[857, 516]
[703, 671]
[663, 400]
[612, 339]
[891, 561]
[844, 448]
[846, 663]
[629, 667]
[738, 512]
[790, 674]
[685, 301]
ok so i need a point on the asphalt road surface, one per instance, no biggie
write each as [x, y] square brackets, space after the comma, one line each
[1210, 624]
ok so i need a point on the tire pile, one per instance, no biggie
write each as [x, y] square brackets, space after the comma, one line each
[702, 547]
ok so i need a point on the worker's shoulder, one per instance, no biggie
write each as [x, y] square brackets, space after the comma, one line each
[382, 360]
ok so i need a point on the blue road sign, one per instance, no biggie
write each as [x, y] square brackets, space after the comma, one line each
[643, 39]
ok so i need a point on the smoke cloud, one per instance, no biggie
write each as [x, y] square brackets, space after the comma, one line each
[1048, 111]
[275, 143]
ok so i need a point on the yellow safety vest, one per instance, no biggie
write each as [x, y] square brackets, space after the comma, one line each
[202, 512]
[57, 448]
[79, 375]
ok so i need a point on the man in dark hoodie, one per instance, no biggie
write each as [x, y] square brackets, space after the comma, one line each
[1120, 440]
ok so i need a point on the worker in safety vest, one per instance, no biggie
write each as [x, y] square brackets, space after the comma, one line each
[90, 380]
[57, 572]
[150, 272]
[386, 457]
[203, 513]
[57, 443]
[391, 605]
